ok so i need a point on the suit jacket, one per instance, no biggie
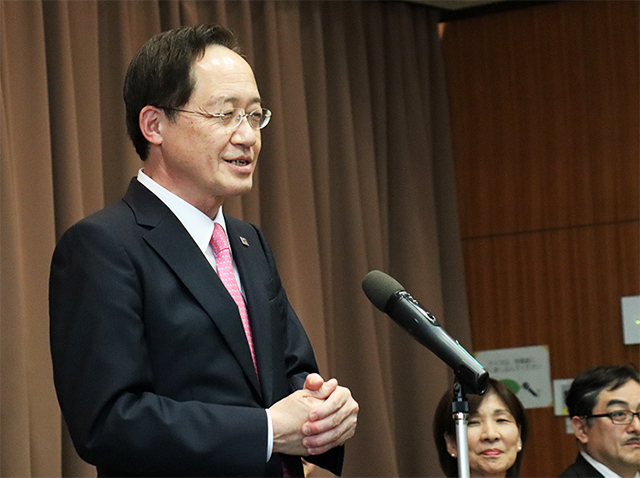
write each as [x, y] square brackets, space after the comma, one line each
[152, 369]
[581, 468]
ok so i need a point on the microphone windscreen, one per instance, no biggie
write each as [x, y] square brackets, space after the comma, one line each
[379, 288]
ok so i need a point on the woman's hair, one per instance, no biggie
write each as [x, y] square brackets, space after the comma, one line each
[444, 425]
[160, 74]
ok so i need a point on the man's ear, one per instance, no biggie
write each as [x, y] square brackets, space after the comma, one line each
[149, 120]
[452, 446]
[580, 429]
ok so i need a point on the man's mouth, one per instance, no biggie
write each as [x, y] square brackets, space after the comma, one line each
[238, 162]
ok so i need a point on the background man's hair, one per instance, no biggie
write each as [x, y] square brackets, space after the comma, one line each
[583, 393]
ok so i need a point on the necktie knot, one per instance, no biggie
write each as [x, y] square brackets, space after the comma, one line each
[219, 241]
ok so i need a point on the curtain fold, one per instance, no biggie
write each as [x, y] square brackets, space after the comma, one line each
[355, 174]
[29, 418]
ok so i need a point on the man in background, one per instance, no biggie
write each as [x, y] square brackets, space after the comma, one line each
[604, 405]
[174, 347]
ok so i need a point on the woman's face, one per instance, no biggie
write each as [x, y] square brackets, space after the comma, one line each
[493, 436]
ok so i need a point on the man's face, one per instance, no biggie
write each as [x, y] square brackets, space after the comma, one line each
[200, 159]
[616, 446]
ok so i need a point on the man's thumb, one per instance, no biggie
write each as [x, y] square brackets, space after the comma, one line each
[313, 382]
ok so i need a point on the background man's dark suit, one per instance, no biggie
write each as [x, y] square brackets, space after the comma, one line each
[580, 469]
[152, 368]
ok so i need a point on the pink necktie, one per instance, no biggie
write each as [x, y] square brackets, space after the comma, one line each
[222, 252]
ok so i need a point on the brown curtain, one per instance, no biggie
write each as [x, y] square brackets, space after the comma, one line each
[356, 174]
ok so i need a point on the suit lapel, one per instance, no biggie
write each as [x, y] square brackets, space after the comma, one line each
[192, 268]
[244, 248]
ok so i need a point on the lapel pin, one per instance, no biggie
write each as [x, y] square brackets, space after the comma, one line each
[244, 241]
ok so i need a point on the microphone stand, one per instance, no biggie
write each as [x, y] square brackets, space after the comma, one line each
[460, 409]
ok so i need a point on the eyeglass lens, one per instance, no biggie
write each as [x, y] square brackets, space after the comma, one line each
[257, 119]
[623, 417]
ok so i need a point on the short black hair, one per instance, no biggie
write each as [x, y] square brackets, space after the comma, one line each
[160, 73]
[585, 388]
[443, 424]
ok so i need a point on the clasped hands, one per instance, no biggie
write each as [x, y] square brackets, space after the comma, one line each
[314, 420]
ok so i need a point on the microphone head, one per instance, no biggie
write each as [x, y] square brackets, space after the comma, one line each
[379, 288]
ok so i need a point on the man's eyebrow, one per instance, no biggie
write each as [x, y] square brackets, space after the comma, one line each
[233, 99]
[616, 401]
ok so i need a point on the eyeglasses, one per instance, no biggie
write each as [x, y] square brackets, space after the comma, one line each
[618, 417]
[257, 119]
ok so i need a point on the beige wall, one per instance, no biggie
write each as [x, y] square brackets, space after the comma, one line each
[545, 129]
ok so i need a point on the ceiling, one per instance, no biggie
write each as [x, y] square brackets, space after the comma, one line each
[454, 4]
[459, 9]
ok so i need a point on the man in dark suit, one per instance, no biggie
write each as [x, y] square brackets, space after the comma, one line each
[161, 365]
[604, 405]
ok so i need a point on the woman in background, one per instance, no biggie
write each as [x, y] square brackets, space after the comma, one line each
[497, 432]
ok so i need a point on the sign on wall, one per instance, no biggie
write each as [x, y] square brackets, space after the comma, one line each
[631, 319]
[525, 370]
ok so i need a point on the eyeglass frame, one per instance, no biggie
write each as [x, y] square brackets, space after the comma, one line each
[266, 111]
[610, 417]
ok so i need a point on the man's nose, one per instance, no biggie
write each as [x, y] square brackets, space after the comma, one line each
[635, 421]
[244, 133]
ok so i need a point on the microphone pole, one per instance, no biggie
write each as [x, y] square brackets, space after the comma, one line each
[460, 412]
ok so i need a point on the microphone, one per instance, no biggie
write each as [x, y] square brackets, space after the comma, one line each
[391, 298]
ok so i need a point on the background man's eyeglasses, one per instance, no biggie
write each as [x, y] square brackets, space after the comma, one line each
[619, 417]
[257, 119]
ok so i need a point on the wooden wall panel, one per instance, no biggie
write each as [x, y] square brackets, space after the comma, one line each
[545, 113]
[546, 125]
[558, 288]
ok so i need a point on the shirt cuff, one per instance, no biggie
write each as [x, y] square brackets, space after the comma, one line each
[269, 434]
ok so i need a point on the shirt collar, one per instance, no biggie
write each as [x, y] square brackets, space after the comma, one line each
[603, 469]
[198, 224]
